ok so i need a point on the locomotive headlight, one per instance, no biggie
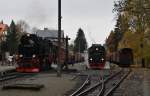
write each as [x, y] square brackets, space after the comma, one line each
[96, 49]
[91, 59]
[28, 35]
[102, 59]
[33, 55]
[20, 55]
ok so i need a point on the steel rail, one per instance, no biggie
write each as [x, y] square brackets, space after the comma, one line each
[87, 81]
[101, 92]
[102, 88]
[110, 91]
[97, 84]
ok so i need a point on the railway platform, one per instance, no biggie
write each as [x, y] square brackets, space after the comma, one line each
[5, 69]
[53, 85]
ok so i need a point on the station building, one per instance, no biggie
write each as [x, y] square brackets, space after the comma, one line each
[51, 35]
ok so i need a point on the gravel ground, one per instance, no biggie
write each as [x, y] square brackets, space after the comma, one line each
[136, 84]
[146, 82]
[81, 80]
[90, 72]
[53, 86]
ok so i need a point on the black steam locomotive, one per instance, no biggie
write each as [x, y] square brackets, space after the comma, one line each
[96, 56]
[35, 54]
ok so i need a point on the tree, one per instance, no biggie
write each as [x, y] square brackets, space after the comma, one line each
[137, 35]
[22, 28]
[80, 43]
[12, 39]
[111, 42]
[137, 11]
[4, 48]
[116, 36]
[118, 33]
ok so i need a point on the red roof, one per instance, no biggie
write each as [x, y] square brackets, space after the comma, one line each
[3, 27]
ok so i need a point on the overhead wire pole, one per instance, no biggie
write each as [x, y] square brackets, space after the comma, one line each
[59, 39]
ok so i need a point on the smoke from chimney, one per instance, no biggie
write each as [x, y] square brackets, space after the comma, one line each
[37, 13]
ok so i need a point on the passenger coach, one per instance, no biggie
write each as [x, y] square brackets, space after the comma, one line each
[123, 57]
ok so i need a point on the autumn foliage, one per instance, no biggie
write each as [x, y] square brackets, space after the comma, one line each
[132, 29]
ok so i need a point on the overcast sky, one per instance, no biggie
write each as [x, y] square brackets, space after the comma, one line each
[95, 17]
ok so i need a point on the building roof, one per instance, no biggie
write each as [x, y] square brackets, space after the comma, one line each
[46, 33]
[3, 31]
[3, 27]
[51, 35]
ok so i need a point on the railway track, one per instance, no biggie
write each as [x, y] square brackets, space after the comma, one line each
[111, 84]
[90, 83]
[100, 86]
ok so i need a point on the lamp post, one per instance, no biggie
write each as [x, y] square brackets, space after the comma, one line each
[59, 39]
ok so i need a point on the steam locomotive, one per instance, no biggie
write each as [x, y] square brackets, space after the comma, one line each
[35, 54]
[96, 56]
